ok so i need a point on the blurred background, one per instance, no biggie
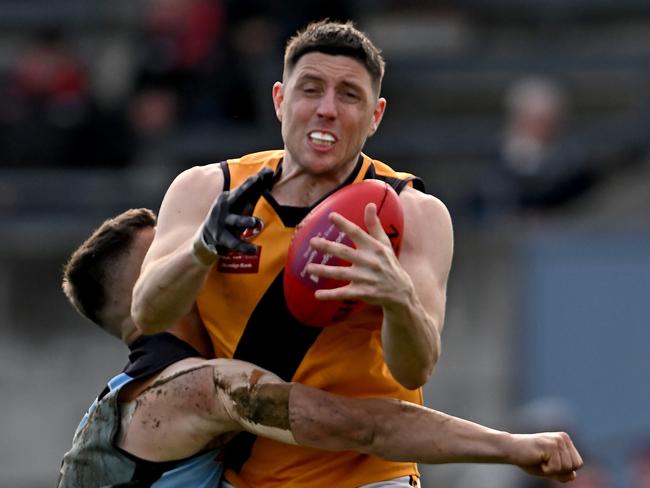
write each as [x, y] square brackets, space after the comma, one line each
[528, 118]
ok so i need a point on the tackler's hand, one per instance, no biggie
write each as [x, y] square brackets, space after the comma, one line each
[548, 454]
[228, 219]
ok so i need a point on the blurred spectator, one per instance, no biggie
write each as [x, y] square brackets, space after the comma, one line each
[208, 51]
[185, 46]
[152, 121]
[540, 167]
[288, 16]
[536, 111]
[153, 112]
[256, 34]
[152, 118]
[49, 117]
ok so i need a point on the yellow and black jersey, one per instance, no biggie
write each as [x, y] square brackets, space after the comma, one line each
[244, 310]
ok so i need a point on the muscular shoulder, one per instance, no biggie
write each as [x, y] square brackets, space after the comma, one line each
[209, 388]
[135, 388]
[419, 205]
[184, 385]
[176, 415]
[428, 233]
[207, 178]
[187, 201]
[215, 373]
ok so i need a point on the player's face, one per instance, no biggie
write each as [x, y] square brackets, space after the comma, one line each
[328, 109]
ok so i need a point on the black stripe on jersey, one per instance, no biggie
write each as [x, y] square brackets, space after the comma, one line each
[290, 216]
[396, 183]
[226, 175]
[274, 340]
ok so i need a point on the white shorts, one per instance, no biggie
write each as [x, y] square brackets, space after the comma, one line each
[403, 482]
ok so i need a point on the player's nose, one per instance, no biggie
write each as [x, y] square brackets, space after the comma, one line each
[327, 105]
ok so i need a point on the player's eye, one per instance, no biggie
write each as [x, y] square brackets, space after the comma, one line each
[310, 89]
[350, 96]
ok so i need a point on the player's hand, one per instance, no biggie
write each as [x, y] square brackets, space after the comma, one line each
[375, 274]
[549, 454]
[222, 229]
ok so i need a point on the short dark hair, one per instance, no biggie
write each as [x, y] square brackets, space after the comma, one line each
[336, 38]
[86, 273]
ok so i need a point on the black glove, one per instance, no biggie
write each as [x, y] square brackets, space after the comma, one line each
[227, 219]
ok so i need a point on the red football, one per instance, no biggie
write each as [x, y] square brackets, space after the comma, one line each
[350, 201]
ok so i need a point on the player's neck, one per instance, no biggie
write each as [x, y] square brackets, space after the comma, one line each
[300, 188]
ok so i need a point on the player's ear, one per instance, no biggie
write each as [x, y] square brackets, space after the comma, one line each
[278, 98]
[377, 115]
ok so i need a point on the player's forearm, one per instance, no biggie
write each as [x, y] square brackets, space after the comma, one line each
[167, 289]
[390, 429]
[411, 341]
[423, 435]
[407, 432]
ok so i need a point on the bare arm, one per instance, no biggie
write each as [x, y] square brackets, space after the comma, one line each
[198, 222]
[411, 290]
[196, 404]
[401, 431]
[412, 326]
[171, 276]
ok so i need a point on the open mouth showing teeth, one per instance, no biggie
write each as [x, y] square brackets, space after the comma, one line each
[322, 137]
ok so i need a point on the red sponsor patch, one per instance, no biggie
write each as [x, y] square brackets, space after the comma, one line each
[237, 262]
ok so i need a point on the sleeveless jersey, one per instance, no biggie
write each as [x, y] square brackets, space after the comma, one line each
[94, 460]
[244, 309]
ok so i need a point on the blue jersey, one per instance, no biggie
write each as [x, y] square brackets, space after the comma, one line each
[94, 460]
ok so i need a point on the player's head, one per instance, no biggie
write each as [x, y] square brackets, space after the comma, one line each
[328, 101]
[338, 39]
[98, 278]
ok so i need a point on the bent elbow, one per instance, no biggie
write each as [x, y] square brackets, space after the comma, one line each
[416, 371]
[143, 309]
[411, 379]
[413, 382]
[144, 320]
[414, 379]
[141, 321]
